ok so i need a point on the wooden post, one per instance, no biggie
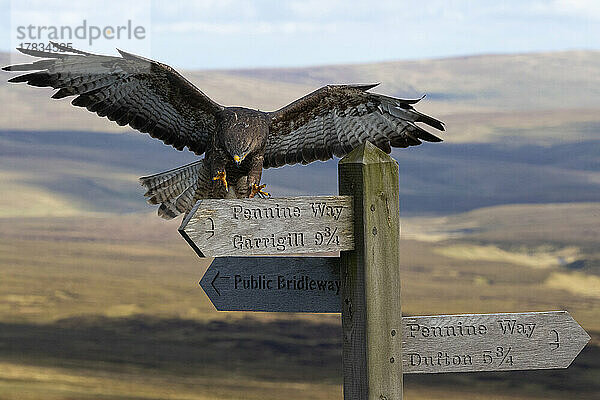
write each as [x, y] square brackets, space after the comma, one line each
[371, 307]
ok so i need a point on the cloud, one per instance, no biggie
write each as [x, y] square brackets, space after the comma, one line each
[584, 9]
[64, 12]
[227, 17]
[333, 31]
[248, 28]
[206, 10]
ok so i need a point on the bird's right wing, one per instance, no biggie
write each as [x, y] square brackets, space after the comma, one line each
[130, 90]
[335, 119]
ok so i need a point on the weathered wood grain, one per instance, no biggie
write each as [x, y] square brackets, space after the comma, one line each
[491, 342]
[289, 225]
[430, 344]
[371, 312]
[275, 284]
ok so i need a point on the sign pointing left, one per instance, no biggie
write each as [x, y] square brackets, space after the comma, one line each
[289, 225]
[284, 284]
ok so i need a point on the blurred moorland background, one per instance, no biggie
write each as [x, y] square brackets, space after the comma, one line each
[99, 296]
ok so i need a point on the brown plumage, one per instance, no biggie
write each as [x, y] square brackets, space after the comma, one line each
[238, 142]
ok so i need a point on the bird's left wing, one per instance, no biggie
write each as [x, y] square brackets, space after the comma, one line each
[335, 119]
[130, 90]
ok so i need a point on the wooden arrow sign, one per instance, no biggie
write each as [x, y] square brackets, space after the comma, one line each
[432, 344]
[285, 284]
[490, 342]
[290, 225]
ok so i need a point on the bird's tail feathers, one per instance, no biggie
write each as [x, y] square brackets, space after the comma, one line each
[177, 190]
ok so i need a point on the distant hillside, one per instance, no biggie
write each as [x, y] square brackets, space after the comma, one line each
[70, 173]
[520, 129]
[536, 97]
[486, 82]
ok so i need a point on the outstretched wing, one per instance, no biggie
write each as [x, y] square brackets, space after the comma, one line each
[130, 90]
[335, 119]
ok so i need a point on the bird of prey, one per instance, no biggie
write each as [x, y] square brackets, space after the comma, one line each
[238, 142]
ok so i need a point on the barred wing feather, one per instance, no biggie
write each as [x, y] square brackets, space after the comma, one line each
[335, 119]
[148, 96]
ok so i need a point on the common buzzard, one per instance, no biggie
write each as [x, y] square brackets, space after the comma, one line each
[239, 142]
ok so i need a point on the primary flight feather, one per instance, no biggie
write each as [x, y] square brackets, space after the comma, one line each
[238, 142]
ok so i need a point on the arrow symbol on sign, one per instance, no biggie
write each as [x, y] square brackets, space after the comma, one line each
[212, 283]
[556, 342]
[211, 231]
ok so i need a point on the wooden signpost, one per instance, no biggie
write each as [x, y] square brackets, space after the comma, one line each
[379, 344]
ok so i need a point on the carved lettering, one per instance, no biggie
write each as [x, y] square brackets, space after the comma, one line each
[440, 359]
[511, 327]
[253, 282]
[274, 212]
[280, 243]
[282, 282]
[458, 329]
[325, 210]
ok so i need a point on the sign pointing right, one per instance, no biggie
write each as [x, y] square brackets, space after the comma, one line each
[490, 342]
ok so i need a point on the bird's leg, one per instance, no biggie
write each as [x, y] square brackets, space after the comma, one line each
[258, 190]
[254, 178]
[218, 163]
[222, 176]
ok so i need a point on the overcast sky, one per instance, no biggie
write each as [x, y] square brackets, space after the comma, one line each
[241, 34]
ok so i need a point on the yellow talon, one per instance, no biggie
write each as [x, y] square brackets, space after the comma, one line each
[256, 189]
[221, 177]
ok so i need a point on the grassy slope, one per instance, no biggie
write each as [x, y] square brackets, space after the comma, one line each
[86, 300]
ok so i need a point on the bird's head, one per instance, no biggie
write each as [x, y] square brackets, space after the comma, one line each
[238, 145]
[243, 133]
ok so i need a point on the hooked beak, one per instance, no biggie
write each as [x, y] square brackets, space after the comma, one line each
[238, 160]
